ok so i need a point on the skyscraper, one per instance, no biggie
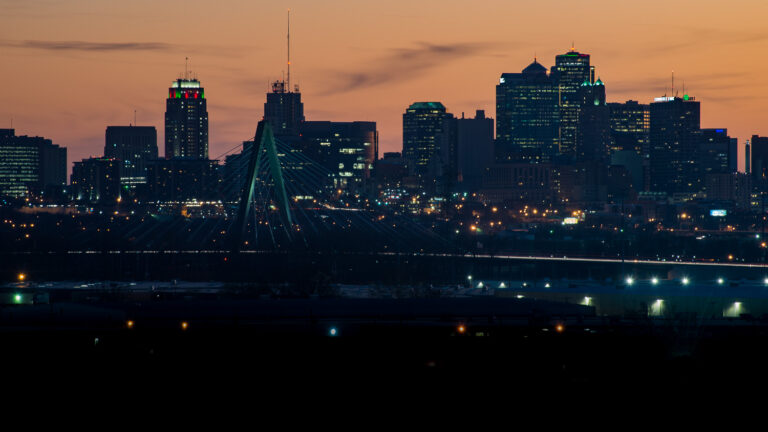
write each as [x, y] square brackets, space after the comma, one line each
[759, 162]
[133, 146]
[284, 110]
[674, 143]
[186, 120]
[630, 125]
[474, 149]
[717, 152]
[593, 136]
[570, 71]
[429, 143]
[527, 116]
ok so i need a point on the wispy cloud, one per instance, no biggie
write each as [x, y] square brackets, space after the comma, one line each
[87, 46]
[404, 64]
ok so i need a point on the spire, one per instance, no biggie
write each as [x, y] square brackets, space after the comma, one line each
[288, 81]
[573, 46]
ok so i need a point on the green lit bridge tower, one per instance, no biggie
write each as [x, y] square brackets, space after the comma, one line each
[263, 166]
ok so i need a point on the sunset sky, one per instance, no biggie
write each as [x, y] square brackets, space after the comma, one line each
[71, 67]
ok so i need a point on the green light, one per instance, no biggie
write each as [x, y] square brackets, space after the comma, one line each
[685, 97]
[17, 298]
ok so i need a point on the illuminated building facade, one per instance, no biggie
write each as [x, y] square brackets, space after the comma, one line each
[133, 146]
[30, 165]
[570, 71]
[186, 120]
[527, 116]
[630, 126]
[429, 144]
[347, 149]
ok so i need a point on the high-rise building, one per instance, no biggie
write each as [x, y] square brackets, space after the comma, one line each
[474, 148]
[284, 110]
[593, 136]
[429, 144]
[570, 71]
[674, 143]
[630, 126]
[759, 162]
[96, 180]
[717, 152]
[133, 146]
[347, 149]
[30, 165]
[186, 120]
[527, 116]
[747, 158]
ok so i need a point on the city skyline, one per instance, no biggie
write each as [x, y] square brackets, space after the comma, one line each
[352, 71]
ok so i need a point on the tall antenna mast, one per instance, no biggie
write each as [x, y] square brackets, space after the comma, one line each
[186, 68]
[673, 83]
[288, 82]
[134, 117]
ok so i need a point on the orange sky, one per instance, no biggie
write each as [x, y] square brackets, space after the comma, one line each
[71, 67]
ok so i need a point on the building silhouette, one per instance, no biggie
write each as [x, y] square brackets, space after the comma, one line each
[186, 120]
[674, 144]
[133, 146]
[30, 165]
[527, 116]
[284, 110]
[593, 132]
[759, 162]
[96, 180]
[474, 149]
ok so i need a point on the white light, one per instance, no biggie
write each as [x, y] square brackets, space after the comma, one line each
[519, 296]
[333, 331]
[765, 281]
[720, 281]
[685, 281]
[480, 285]
[502, 285]
[655, 281]
[469, 277]
[630, 281]
[587, 301]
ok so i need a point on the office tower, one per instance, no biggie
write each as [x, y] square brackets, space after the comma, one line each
[96, 180]
[284, 110]
[674, 141]
[474, 148]
[630, 126]
[133, 146]
[527, 116]
[717, 152]
[180, 179]
[347, 149]
[593, 136]
[570, 71]
[759, 162]
[186, 120]
[429, 144]
[30, 165]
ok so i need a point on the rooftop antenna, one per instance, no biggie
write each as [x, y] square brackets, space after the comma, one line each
[673, 83]
[288, 81]
[134, 117]
[186, 68]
